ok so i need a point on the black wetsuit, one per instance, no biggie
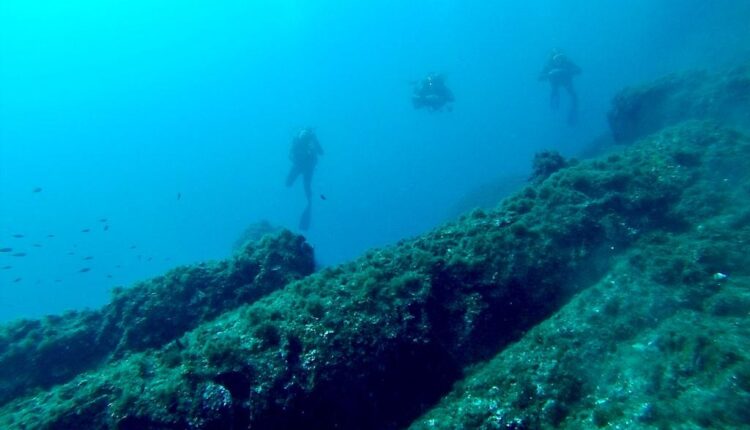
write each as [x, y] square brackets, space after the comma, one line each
[431, 92]
[304, 157]
[559, 71]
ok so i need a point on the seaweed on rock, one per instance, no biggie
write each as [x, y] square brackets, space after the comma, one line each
[639, 111]
[373, 343]
[41, 353]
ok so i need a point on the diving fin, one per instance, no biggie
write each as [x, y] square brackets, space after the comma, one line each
[304, 220]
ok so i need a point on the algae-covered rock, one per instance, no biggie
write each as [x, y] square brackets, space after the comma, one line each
[253, 233]
[488, 195]
[660, 341]
[374, 343]
[639, 111]
[637, 350]
[40, 353]
[546, 163]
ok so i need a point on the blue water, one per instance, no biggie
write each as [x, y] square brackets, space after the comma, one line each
[115, 108]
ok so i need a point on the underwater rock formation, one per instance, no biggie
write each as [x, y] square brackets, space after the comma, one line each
[253, 233]
[555, 274]
[488, 195]
[660, 342]
[639, 111]
[41, 353]
[611, 292]
[546, 163]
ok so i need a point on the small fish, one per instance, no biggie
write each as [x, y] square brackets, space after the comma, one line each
[37, 245]
[132, 247]
[71, 253]
[88, 257]
[17, 280]
[19, 254]
[84, 270]
[58, 280]
[19, 236]
[7, 267]
[118, 266]
[323, 197]
[109, 276]
[106, 227]
[102, 219]
[85, 230]
[50, 236]
[179, 196]
[37, 190]
[149, 258]
[6, 249]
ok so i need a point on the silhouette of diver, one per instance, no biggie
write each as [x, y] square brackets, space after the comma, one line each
[431, 92]
[559, 71]
[304, 157]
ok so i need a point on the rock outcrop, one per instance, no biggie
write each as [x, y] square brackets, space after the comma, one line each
[52, 350]
[639, 111]
[610, 292]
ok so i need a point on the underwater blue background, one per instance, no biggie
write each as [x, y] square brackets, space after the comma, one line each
[113, 108]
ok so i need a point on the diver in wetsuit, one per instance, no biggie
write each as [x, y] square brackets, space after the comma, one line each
[304, 157]
[431, 92]
[559, 72]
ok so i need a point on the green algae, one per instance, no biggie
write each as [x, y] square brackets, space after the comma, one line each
[372, 343]
[639, 111]
[610, 293]
[629, 352]
[660, 341]
[41, 353]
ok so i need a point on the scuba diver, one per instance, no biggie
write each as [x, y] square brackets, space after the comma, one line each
[432, 93]
[304, 156]
[559, 71]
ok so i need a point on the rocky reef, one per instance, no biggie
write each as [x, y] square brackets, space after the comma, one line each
[40, 353]
[639, 111]
[610, 292]
[659, 342]
[253, 233]
[487, 196]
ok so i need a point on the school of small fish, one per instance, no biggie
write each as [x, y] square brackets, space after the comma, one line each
[19, 250]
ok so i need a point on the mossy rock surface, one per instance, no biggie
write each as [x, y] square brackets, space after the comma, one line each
[40, 353]
[641, 110]
[376, 343]
[629, 352]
